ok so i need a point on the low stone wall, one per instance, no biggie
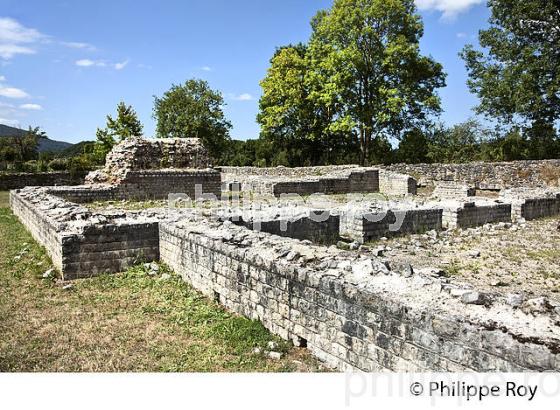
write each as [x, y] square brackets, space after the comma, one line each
[147, 185]
[535, 208]
[365, 227]
[487, 175]
[324, 231]
[80, 243]
[356, 181]
[453, 190]
[532, 204]
[343, 181]
[44, 229]
[470, 214]
[392, 183]
[297, 172]
[355, 314]
[21, 180]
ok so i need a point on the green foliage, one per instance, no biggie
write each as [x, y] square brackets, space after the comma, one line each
[413, 147]
[459, 143]
[125, 125]
[58, 164]
[193, 110]
[359, 82]
[516, 75]
[18, 150]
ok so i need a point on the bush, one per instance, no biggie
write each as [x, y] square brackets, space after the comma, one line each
[58, 164]
[30, 166]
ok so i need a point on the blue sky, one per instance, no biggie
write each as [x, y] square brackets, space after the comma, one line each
[64, 65]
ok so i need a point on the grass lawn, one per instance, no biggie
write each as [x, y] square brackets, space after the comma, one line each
[125, 322]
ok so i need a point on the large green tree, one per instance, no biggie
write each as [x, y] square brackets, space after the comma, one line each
[193, 110]
[516, 75]
[125, 125]
[366, 59]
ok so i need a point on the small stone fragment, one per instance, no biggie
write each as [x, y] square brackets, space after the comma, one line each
[474, 298]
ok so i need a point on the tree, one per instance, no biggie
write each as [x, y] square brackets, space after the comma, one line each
[193, 110]
[460, 143]
[366, 56]
[124, 126]
[295, 115]
[413, 147]
[517, 74]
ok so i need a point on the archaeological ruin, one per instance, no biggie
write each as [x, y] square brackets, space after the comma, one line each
[399, 268]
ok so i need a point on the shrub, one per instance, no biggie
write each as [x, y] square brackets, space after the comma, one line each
[58, 164]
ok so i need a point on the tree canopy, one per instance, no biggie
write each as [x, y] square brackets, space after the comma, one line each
[193, 110]
[125, 125]
[360, 77]
[516, 75]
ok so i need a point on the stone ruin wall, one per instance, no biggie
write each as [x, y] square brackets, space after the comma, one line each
[486, 175]
[351, 310]
[20, 180]
[336, 179]
[81, 243]
[364, 227]
[141, 154]
[142, 169]
[372, 322]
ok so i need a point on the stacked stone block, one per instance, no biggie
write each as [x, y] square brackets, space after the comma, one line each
[487, 175]
[453, 190]
[79, 243]
[346, 321]
[368, 226]
[471, 214]
[323, 229]
[10, 181]
[392, 183]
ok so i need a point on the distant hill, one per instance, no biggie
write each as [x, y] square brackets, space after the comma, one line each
[75, 149]
[45, 144]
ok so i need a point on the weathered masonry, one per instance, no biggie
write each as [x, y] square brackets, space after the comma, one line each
[352, 307]
[353, 314]
[82, 244]
[10, 181]
[327, 180]
[367, 226]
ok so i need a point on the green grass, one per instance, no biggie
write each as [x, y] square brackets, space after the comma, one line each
[4, 199]
[126, 322]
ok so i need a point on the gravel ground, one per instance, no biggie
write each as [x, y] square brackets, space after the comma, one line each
[502, 258]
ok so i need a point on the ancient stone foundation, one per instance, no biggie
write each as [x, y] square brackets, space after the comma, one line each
[368, 226]
[147, 185]
[326, 180]
[354, 308]
[487, 175]
[470, 214]
[352, 314]
[21, 180]
[82, 244]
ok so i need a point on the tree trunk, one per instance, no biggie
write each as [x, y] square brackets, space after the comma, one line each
[362, 147]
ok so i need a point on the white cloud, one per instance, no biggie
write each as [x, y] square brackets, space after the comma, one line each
[86, 62]
[449, 8]
[120, 66]
[17, 39]
[12, 92]
[461, 35]
[10, 123]
[241, 97]
[33, 107]
[78, 45]
[2, 78]
[206, 68]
